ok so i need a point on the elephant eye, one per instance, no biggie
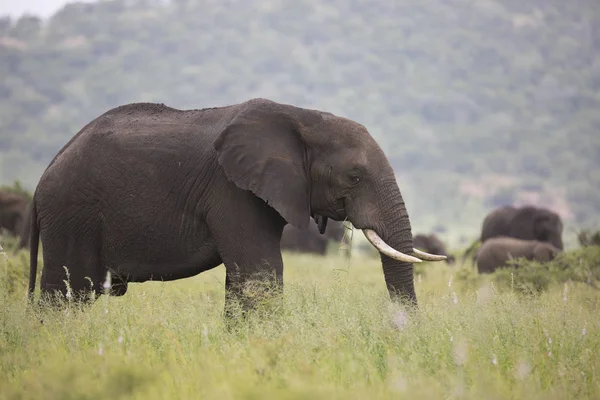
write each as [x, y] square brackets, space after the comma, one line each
[354, 179]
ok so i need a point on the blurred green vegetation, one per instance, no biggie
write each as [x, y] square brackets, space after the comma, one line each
[476, 103]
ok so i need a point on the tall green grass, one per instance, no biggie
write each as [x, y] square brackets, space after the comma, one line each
[333, 335]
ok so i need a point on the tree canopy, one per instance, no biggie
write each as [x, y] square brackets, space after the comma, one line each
[476, 103]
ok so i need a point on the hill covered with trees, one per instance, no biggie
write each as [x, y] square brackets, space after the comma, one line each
[476, 103]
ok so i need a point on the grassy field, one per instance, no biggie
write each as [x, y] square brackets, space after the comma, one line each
[335, 335]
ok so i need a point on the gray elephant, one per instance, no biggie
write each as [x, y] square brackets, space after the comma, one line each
[432, 244]
[25, 228]
[311, 240]
[496, 252]
[150, 192]
[526, 222]
[13, 207]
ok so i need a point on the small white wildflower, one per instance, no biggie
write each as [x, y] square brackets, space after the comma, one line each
[523, 370]
[106, 311]
[549, 340]
[484, 294]
[583, 332]
[400, 319]
[399, 384]
[3, 253]
[108, 281]
[460, 352]
[454, 298]
[451, 338]
[100, 351]
[120, 339]
[495, 360]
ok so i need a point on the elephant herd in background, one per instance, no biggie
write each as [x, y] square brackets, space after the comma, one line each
[533, 233]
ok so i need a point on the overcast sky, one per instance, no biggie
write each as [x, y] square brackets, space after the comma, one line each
[41, 8]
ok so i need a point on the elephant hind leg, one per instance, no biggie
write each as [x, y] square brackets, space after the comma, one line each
[72, 269]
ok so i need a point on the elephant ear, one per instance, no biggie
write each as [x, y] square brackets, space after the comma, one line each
[262, 150]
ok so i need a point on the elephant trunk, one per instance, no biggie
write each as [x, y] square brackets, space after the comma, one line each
[398, 275]
[392, 236]
[393, 239]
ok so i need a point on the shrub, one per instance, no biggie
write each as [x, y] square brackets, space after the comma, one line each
[531, 277]
[588, 238]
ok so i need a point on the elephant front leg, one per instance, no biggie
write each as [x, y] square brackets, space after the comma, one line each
[252, 286]
[249, 245]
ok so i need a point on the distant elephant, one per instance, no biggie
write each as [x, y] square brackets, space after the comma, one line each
[13, 207]
[25, 229]
[311, 240]
[432, 244]
[527, 222]
[495, 252]
[150, 192]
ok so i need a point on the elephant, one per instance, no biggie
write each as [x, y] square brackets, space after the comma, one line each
[496, 251]
[13, 207]
[150, 192]
[432, 244]
[310, 240]
[526, 222]
[25, 228]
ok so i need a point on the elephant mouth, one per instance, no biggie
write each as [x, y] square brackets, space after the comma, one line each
[387, 250]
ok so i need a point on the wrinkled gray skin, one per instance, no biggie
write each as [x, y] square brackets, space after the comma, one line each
[311, 240]
[495, 252]
[13, 207]
[146, 192]
[432, 244]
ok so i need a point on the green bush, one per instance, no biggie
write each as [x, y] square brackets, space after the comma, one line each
[586, 237]
[531, 277]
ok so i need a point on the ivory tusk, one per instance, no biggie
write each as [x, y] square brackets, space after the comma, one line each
[384, 248]
[428, 257]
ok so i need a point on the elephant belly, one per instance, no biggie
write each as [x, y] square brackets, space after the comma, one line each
[165, 260]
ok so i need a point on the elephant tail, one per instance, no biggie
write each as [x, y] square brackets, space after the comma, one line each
[34, 241]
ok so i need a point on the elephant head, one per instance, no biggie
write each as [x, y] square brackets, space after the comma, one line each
[433, 244]
[545, 252]
[306, 163]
